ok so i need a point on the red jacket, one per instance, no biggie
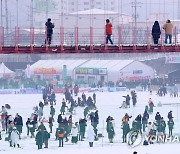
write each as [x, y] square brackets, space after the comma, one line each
[109, 29]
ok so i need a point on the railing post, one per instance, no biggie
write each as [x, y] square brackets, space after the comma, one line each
[16, 38]
[61, 38]
[105, 45]
[134, 39]
[91, 39]
[175, 38]
[76, 39]
[1, 38]
[147, 39]
[120, 38]
[31, 38]
[46, 39]
[162, 44]
[175, 35]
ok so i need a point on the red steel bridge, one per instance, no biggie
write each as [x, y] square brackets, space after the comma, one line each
[126, 40]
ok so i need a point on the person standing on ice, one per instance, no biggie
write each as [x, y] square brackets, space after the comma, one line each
[170, 116]
[52, 111]
[18, 122]
[126, 129]
[108, 31]
[39, 139]
[151, 105]
[90, 135]
[145, 120]
[27, 126]
[50, 121]
[82, 128]
[74, 132]
[63, 106]
[94, 98]
[60, 134]
[14, 137]
[139, 123]
[170, 126]
[110, 129]
[40, 113]
[46, 137]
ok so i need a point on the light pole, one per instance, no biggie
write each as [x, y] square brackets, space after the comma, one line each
[6, 8]
[47, 9]
[1, 15]
[17, 13]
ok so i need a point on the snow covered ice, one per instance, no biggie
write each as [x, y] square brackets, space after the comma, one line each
[108, 103]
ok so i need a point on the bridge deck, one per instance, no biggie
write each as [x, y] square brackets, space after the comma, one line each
[89, 49]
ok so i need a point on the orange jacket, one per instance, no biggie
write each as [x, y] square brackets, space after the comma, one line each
[109, 29]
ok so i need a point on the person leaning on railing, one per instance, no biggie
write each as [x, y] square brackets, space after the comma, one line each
[168, 27]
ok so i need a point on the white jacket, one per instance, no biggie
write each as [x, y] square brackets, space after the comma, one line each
[90, 134]
[74, 131]
[15, 137]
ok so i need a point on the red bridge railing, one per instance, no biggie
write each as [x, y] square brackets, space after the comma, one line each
[125, 39]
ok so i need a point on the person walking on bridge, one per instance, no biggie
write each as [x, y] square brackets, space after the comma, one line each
[108, 31]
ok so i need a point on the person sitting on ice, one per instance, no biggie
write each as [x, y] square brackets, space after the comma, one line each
[127, 100]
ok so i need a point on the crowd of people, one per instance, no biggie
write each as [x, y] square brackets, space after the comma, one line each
[85, 127]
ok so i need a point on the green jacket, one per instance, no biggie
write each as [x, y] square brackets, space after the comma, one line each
[39, 138]
[52, 111]
[161, 126]
[110, 130]
[125, 128]
[171, 124]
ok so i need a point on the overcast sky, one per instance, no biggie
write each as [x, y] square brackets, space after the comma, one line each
[143, 10]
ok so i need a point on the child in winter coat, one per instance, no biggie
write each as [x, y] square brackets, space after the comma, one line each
[14, 137]
[74, 132]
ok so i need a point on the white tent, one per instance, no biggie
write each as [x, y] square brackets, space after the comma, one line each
[5, 72]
